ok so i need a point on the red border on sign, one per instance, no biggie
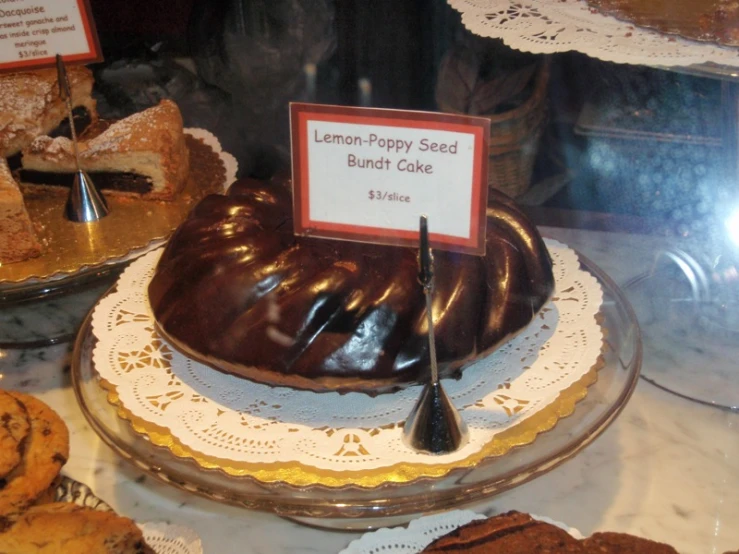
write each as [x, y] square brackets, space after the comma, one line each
[301, 113]
[93, 54]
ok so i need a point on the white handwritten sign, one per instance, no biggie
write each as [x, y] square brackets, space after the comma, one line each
[33, 32]
[368, 174]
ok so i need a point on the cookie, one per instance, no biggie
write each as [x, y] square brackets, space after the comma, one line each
[509, 533]
[14, 427]
[65, 527]
[621, 543]
[46, 451]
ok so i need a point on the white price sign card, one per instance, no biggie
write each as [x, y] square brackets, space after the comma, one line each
[33, 32]
[367, 174]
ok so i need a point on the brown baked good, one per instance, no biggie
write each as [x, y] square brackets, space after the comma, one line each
[509, 533]
[14, 428]
[236, 289]
[622, 543]
[67, 528]
[46, 451]
[30, 105]
[515, 532]
[704, 20]
[143, 155]
[17, 238]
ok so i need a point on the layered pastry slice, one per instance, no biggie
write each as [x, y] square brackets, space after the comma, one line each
[30, 105]
[17, 239]
[143, 155]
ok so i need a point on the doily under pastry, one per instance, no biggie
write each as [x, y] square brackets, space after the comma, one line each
[303, 438]
[552, 26]
[167, 538]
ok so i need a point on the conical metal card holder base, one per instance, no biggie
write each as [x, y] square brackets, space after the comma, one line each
[434, 425]
[85, 204]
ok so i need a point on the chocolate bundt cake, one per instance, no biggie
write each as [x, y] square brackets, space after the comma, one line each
[237, 290]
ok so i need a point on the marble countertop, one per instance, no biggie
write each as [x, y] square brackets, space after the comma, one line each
[666, 469]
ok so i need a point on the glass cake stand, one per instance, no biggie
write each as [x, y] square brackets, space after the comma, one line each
[355, 508]
[688, 308]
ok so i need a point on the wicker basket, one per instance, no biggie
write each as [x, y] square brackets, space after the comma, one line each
[514, 139]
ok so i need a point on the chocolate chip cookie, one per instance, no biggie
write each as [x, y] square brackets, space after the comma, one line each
[14, 427]
[64, 527]
[46, 451]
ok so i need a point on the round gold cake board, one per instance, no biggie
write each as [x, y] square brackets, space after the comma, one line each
[332, 499]
[75, 251]
[301, 475]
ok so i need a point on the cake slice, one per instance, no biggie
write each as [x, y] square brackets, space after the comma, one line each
[17, 239]
[143, 155]
[30, 105]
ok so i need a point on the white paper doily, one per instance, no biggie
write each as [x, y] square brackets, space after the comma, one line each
[166, 538]
[551, 26]
[422, 531]
[233, 419]
[230, 163]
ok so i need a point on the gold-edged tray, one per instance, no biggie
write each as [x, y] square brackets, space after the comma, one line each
[298, 474]
[133, 227]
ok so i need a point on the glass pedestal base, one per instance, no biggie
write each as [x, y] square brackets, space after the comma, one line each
[689, 312]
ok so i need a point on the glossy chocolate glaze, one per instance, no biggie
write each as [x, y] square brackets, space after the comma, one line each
[237, 290]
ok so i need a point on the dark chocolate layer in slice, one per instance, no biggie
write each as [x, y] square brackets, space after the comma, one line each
[82, 120]
[14, 161]
[124, 182]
